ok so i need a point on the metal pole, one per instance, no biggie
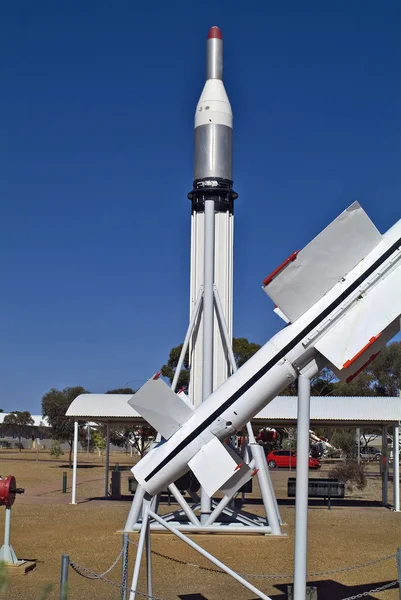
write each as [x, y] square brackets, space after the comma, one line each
[139, 552]
[260, 462]
[149, 561]
[396, 467]
[187, 338]
[107, 461]
[358, 435]
[124, 568]
[302, 476]
[7, 526]
[208, 326]
[184, 505]
[135, 509]
[74, 464]
[65, 563]
[385, 467]
[223, 330]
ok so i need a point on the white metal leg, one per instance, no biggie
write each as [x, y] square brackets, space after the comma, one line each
[139, 552]
[74, 465]
[302, 476]
[384, 466]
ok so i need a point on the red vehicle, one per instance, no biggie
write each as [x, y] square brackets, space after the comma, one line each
[287, 458]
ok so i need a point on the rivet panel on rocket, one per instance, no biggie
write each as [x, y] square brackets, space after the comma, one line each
[213, 171]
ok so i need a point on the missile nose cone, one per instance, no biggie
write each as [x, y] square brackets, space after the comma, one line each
[214, 32]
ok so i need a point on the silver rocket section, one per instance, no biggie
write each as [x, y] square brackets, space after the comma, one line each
[213, 121]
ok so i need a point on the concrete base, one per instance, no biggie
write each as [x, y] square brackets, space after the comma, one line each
[22, 567]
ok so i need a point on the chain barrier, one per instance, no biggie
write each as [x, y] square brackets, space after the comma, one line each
[379, 589]
[275, 575]
[88, 574]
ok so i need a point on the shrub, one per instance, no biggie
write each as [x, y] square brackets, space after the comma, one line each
[351, 474]
[56, 450]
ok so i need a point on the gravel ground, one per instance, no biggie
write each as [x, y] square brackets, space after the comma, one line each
[45, 526]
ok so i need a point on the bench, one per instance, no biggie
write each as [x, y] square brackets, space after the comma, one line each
[319, 488]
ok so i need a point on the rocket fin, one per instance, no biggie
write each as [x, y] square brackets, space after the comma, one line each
[161, 407]
[307, 275]
[216, 465]
[365, 328]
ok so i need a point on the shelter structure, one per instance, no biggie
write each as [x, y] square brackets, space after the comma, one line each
[325, 411]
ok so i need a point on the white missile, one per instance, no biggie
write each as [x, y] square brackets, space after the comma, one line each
[341, 297]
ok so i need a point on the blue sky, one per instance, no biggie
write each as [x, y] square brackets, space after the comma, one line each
[96, 149]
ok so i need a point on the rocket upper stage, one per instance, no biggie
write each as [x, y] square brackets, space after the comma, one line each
[213, 118]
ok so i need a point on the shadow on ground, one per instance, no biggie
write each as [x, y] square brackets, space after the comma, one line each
[325, 589]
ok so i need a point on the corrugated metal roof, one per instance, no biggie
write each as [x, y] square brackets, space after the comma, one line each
[378, 409]
[114, 406]
[353, 409]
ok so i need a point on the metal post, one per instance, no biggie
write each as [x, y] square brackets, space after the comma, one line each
[384, 466]
[358, 435]
[139, 552]
[302, 476]
[7, 526]
[396, 467]
[74, 465]
[107, 461]
[65, 563]
[124, 568]
[149, 561]
[185, 345]
[64, 482]
[208, 326]
[135, 509]
[260, 462]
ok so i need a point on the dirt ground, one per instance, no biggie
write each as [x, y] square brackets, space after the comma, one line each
[45, 525]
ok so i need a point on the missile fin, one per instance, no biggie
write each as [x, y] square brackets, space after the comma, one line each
[365, 328]
[161, 407]
[216, 465]
[306, 276]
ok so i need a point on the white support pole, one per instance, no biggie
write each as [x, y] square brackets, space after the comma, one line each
[184, 504]
[208, 326]
[139, 552]
[107, 461]
[74, 465]
[302, 476]
[190, 330]
[384, 466]
[396, 467]
[209, 556]
[135, 509]
[149, 561]
[224, 331]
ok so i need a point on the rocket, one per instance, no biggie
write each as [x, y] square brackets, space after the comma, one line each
[340, 298]
[212, 184]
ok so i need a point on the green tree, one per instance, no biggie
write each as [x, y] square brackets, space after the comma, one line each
[385, 371]
[345, 440]
[54, 406]
[19, 421]
[99, 441]
[242, 349]
[56, 450]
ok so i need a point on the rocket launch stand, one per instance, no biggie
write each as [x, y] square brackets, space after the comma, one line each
[145, 543]
[222, 516]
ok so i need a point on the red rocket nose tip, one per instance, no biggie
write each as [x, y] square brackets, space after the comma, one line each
[214, 32]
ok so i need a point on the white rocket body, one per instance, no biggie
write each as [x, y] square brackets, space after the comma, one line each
[341, 296]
